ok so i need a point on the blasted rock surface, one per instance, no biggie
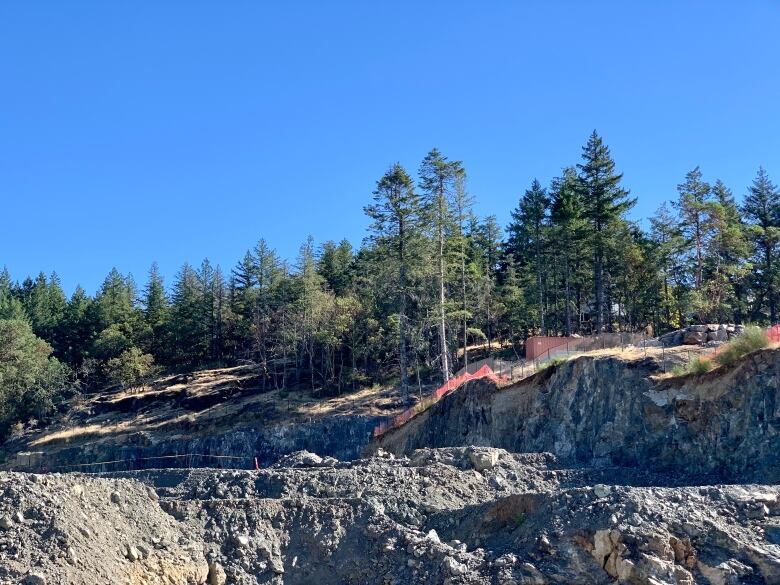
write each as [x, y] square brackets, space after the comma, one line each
[428, 518]
[606, 411]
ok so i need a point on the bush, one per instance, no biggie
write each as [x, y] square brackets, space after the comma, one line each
[556, 361]
[31, 381]
[131, 368]
[752, 339]
[699, 366]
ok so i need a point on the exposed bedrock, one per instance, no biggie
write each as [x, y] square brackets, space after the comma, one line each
[342, 437]
[608, 411]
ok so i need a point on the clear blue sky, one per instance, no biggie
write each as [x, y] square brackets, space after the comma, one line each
[175, 130]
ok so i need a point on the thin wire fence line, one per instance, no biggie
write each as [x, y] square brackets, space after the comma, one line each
[135, 460]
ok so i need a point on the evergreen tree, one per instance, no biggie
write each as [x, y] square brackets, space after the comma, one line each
[462, 203]
[693, 206]
[568, 231]
[156, 312]
[335, 265]
[761, 208]
[725, 263]
[604, 203]
[488, 244]
[438, 177]
[527, 241]
[187, 319]
[667, 236]
[397, 218]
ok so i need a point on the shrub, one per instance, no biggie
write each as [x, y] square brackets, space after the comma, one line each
[31, 381]
[699, 366]
[552, 362]
[131, 368]
[752, 339]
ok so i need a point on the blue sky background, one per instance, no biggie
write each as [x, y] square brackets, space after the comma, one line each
[173, 131]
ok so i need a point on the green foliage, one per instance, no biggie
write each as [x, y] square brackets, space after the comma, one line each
[700, 366]
[131, 368]
[753, 338]
[552, 362]
[31, 381]
[432, 286]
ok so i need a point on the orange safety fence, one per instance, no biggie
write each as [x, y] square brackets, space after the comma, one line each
[449, 386]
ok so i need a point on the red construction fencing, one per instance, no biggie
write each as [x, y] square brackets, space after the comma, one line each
[452, 384]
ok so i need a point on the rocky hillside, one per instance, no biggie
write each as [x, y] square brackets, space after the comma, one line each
[598, 470]
[605, 410]
[216, 418]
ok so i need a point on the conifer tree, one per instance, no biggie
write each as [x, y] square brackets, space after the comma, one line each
[438, 177]
[762, 212]
[568, 228]
[527, 240]
[397, 218]
[604, 202]
[693, 206]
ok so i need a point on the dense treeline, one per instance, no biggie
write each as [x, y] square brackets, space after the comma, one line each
[430, 280]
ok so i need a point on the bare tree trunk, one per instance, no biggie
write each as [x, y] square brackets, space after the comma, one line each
[599, 290]
[567, 299]
[445, 366]
[402, 315]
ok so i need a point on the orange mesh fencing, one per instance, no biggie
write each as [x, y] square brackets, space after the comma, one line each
[452, 384]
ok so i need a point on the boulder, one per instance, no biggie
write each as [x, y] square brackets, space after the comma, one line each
[483, 459]
[718, 335]
[694, 337]
[217, 574]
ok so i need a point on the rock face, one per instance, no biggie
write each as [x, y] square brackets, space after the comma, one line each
[606, 411]
[343, 437]
[607, 476]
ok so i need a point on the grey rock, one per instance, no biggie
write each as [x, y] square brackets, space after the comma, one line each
[216, 575]
[483, 459]
[694, 337]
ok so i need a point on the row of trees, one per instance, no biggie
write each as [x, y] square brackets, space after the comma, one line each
[429, 282]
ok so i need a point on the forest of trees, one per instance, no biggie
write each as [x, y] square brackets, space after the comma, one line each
[430, 279]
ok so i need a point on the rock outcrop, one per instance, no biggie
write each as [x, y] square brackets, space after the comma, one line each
[699, 334]
[608, 411]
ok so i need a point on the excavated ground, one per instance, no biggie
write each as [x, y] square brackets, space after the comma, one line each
[611, 473]
[452, 515]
